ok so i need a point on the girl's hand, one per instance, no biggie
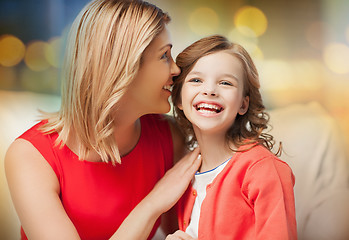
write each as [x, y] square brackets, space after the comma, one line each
[174, 183]
[179, 235]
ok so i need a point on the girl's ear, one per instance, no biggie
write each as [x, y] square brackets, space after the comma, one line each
[244, 106]
[180, 106]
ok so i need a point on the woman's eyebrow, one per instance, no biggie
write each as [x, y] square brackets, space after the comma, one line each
[166, 46]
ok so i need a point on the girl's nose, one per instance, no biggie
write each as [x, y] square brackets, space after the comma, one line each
[210, 91]
[213, 94]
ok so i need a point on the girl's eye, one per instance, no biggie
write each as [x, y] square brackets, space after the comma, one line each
[226, 83]
[195, 80]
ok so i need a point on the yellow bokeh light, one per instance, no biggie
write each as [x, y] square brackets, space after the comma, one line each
[336, 57]
[250, 18]
[276, 75]
[53, 51]
[12, 50]
[257, 54]
[287, 75]
[204, 21]
[35, 57]
[249, 43]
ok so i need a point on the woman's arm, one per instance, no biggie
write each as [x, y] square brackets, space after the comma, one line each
[179, 235]
[169, 221]
[163, 196]
[35, 193]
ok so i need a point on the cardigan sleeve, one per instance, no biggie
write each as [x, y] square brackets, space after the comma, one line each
[268, 187]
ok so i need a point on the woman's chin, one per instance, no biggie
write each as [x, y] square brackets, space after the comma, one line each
[164, 107]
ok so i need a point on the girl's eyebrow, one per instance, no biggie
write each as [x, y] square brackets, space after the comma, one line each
[229, 75]
[194, 73]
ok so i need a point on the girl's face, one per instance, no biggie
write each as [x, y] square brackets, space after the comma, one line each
[212, 93]
[150, 90]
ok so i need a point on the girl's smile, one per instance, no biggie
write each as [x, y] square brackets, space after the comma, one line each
[212, 92]
[208, 109]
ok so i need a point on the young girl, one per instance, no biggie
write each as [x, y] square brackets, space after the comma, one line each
[242, 190]
[89, 170]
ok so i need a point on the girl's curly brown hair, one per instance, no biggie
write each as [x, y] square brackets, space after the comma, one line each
[247, 128]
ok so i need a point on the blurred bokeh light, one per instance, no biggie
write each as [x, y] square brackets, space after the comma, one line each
[250, 42]
[249, 20]
[315, 32]
[336, 57]
[204, 21]
[54, 52]
[35, 57]
[12, 50]
[301, 48]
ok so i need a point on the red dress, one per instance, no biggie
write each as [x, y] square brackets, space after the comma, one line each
[98, 196]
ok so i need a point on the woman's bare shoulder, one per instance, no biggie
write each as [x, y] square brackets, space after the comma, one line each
[24, 161]
[35, 190]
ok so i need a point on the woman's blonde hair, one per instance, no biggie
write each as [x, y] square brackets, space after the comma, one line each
[247, 128]
[103, 56]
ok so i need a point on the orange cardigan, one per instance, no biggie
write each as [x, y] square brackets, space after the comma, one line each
[252, 198]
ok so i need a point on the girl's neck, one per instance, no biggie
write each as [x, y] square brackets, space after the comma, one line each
[214, 150]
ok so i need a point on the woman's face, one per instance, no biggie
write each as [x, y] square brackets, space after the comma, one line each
[150, 90]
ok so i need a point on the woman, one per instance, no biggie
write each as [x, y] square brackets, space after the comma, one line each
[81, 173]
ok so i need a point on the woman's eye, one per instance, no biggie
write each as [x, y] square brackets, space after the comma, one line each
[164, 56]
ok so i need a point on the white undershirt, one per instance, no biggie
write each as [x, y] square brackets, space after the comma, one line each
[200, 181]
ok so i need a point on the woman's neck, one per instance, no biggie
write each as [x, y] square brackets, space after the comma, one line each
[127, 127]
[127, 136]
[127, 131]
[214, 150]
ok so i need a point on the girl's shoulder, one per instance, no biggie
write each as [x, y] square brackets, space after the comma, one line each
[260, 163]
[259, 154]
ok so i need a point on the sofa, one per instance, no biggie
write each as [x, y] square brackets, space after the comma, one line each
[312, 143]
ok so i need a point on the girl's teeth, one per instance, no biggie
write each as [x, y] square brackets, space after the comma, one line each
[208, 108]
[206, 111]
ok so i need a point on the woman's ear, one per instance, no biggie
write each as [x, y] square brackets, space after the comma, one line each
[244, 106]
[180, 106]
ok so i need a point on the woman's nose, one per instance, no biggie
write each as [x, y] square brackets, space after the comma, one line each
[175, 70]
